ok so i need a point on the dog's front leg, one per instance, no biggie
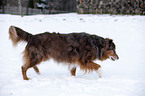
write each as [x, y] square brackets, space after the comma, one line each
[91, 66]
[73, 71]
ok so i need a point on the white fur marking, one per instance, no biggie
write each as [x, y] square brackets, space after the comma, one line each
[99, 71]
[72, 66]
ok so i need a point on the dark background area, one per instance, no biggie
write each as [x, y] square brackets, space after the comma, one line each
[29, 7]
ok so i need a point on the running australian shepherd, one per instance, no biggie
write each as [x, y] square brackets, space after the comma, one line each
[73, 48]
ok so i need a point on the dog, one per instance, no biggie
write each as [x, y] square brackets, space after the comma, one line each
[74, 48]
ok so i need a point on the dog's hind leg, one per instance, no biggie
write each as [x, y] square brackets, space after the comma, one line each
[24, 70]
[32, 58]
[36, 69]
[26, 66]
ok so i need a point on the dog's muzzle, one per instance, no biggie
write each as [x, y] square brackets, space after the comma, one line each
[115, 57]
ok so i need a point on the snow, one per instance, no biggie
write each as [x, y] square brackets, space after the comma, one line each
[124, 77]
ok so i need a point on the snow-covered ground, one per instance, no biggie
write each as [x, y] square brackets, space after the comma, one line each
[124, 77]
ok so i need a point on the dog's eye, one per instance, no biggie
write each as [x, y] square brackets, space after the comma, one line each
[112, 46]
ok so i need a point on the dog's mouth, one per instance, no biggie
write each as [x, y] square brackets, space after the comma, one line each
[113, 58]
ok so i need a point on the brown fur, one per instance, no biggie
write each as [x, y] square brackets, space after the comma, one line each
[80, 48]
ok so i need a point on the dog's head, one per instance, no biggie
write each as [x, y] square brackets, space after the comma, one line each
[109, 51]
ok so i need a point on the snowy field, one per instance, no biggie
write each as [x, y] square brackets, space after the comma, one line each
[124, 77]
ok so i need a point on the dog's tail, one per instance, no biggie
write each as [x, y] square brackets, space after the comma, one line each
[17, 35]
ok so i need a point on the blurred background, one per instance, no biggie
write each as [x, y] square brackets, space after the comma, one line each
[30, 7]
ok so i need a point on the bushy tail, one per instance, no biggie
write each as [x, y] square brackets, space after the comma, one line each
[17, 35]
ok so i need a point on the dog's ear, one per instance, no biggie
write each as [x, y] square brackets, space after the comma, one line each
[108, 42]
